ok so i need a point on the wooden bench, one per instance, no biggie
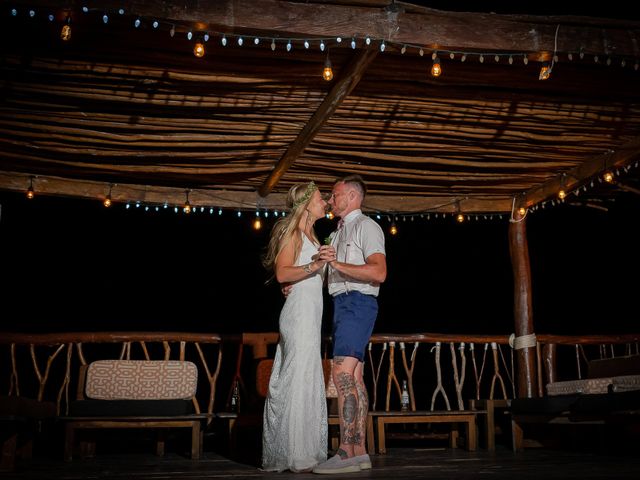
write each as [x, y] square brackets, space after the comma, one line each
[454, 417]
[135, 394]
[593, 401]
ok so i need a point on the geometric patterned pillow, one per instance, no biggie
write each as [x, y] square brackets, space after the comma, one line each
[587, 386]
[141, 380]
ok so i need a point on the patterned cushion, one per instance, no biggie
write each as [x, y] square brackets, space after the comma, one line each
[141, 380]
[626, 383]
[587, 385]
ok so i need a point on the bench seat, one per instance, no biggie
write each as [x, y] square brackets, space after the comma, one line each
[135, 394]
[467, 417]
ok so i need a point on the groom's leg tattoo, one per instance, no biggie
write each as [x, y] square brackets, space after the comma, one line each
[347, 386]
[363, 411]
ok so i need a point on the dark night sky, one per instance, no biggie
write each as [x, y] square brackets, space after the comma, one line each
[71, 264]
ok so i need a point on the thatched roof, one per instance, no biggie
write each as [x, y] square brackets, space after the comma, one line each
[130, 109]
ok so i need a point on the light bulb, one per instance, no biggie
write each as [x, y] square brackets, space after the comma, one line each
[327, 73]
[608, 177]
[545, 72]
[257, 224]
[459, 218]
[393, 230]
[198, 49]
[522, 211]
[107, 201]
[562, 194]
[436, 69]
[30, 193]
[65, 32]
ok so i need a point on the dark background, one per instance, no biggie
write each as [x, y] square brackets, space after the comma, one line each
[70, 264]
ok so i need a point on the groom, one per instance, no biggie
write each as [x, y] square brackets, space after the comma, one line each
[354, 282]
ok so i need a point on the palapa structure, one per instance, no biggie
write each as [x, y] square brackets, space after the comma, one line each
[224, 105]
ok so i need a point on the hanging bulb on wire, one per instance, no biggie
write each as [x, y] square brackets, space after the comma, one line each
[545, 71]
[327, 72]
[65, 32]
[608, 177]
[257, 224]
[459, 217]
[436, 68]
[187, 206]
[394, 229]
[107, 200]
[30, 193]
[198, 49]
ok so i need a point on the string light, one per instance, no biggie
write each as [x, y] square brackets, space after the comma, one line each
[107, 200]
[394, 229]
[30, 192]
[327, 72]
[257, 224]
[459, 217]
[562, 193]
[436, 69]
[545, 71]
[65, 32]
[198, 49]
[608, 177]
[187, 206]
[138, 21]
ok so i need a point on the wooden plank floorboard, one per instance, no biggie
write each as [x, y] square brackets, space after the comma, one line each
[398, 464]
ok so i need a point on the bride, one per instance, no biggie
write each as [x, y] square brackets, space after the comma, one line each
[295, 411]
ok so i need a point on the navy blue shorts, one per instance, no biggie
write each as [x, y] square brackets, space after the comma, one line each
[354, 315]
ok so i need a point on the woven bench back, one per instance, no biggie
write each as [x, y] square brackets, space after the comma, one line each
[141, 380]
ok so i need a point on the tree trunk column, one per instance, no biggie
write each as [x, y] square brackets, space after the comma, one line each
[522, 306]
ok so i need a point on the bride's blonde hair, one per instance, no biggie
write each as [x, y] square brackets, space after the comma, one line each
[286, 229]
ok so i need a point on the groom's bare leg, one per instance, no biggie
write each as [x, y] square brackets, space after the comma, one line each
[348, 400]
[363, 410]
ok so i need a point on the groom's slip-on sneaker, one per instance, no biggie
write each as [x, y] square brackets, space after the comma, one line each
[364, 461]
[337, 464]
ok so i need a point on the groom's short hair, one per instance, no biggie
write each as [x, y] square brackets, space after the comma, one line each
[356, 182]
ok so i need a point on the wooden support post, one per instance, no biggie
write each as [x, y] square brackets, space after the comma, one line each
[523, 308]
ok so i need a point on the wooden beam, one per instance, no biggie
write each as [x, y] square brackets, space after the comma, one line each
[332, 101]
[150, 195]
[522, 306]
[433, 29]
[624, 155]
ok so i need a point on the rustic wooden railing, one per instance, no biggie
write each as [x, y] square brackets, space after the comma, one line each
[45, 366]
[444, 369]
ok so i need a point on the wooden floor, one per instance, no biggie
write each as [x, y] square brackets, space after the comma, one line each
[399, 463]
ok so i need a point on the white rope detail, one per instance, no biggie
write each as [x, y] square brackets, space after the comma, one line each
[524, 341]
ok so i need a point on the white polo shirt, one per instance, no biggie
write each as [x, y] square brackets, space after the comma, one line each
[357, 239]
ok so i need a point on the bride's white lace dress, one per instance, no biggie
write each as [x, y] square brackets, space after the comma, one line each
[295, 411]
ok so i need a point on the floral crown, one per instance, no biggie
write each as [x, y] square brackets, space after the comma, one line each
[307, 195]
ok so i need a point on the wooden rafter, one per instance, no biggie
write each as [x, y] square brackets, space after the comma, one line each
[577, 176]
[332, 101]
[405, 25]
